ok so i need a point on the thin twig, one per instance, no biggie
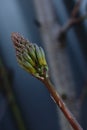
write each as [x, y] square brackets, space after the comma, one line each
[73, 19]
[75, 125]
[71, 22]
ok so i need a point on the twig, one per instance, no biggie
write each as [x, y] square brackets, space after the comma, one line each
[71, 22]
[73, 19]
[75, 125]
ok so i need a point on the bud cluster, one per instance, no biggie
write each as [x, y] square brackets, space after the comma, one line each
[30, 56]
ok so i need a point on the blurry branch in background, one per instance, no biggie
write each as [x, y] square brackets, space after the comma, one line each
[74, 19]
[32, 58]
[6, 89]
[76, 8]
[54, 41]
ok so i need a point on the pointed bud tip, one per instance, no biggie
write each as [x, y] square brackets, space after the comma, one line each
[14, 35]
[14, 38]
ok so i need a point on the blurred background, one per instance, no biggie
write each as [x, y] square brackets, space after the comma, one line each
[38, 111]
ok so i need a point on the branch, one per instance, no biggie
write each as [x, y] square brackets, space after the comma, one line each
[73, 19]
[75, 125]
[71, 22]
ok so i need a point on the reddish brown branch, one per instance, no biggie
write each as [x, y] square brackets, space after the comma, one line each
[75, 125]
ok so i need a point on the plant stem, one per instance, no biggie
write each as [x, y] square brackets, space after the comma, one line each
[15, 109]
[11, 98]
[75, 125]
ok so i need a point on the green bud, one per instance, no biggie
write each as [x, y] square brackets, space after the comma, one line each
[43, 56]
[31, 51]
[30, 56]
[38, 55]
